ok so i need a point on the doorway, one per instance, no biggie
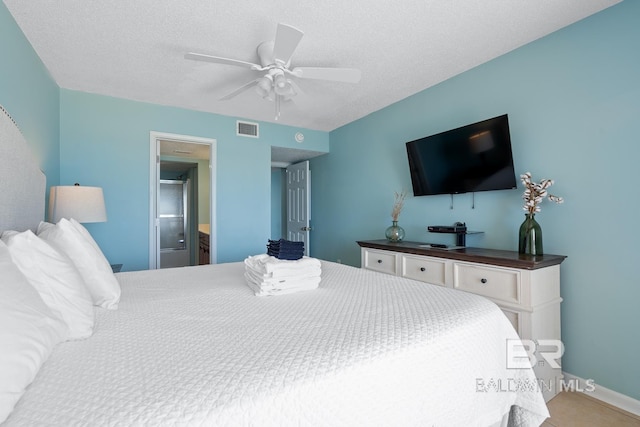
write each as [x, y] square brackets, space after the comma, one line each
[188, 163]
[291, 202]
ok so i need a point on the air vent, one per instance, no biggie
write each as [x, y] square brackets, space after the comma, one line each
[247, 129]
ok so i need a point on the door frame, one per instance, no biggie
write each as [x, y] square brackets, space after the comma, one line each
[154, 179]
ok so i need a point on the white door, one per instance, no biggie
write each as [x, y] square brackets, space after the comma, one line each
[299, 203]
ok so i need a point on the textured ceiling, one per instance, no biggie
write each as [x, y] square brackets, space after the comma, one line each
[135, 49]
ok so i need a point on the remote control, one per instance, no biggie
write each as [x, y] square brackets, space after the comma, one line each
[438, 245]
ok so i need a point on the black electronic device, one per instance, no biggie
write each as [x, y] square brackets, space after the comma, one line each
[438, 245]
[459, 229]
[475, 157]
[447, 228]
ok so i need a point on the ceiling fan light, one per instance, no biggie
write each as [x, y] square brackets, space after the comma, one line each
[286, 91]
[280, 81]
[264, 86]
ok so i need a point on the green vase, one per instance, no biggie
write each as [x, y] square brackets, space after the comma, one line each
[394, 232]
[530, 236]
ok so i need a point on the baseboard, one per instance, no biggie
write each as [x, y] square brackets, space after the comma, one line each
[604, 394]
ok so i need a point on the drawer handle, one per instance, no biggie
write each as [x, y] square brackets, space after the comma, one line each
[379, 261]
[483, 280]
[423, 269]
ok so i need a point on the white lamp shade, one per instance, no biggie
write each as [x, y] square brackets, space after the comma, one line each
[84, 204]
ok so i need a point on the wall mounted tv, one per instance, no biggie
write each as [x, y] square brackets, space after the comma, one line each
[475, 157]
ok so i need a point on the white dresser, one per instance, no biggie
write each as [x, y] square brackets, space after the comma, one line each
[526, 288]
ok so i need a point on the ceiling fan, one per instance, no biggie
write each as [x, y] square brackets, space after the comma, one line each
[277, 82]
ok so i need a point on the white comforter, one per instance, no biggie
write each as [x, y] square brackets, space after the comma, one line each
[194, 346]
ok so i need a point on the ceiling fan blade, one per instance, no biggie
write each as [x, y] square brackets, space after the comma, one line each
[286, 42]
[347, 75]
[241, 89]
[220, 60]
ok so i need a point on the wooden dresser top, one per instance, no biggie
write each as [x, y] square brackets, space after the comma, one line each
[497, 257]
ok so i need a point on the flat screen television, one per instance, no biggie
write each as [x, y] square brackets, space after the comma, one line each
[475, 157]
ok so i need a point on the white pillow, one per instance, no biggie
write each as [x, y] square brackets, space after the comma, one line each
[88, 258]
[44, 226]
[56, 279]
[81, 228]
[85, 233]
[28, 333]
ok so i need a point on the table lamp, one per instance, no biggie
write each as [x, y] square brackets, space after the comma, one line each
[84, 204]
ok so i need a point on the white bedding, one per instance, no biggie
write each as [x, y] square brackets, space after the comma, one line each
[194, 346]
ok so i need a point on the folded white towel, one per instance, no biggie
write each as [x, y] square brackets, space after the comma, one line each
[274, 267]
[268, 275]
[290, 284]
[283, 280]
[262, 289]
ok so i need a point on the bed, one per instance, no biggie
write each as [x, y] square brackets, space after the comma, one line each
[195, 346]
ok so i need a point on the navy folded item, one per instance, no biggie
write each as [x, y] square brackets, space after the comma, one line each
[282, 243]
[285, 249]
[285, 253]
[299, 249]
[288, 247]
[288, 257]
[285, 241]
[290, 251]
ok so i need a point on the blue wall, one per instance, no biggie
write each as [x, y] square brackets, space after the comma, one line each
[573, 100]
[30, 95]
[105, 142]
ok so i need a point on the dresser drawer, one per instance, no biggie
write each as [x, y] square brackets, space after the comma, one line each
[496, 283]
[424, 269]
[381, 261]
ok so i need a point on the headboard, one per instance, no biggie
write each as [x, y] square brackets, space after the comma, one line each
[22, 183]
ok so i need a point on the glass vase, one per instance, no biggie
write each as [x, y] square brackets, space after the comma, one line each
[394, 232]
[530, 236]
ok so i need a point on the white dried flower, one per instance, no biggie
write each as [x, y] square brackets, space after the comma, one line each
[535, 193]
